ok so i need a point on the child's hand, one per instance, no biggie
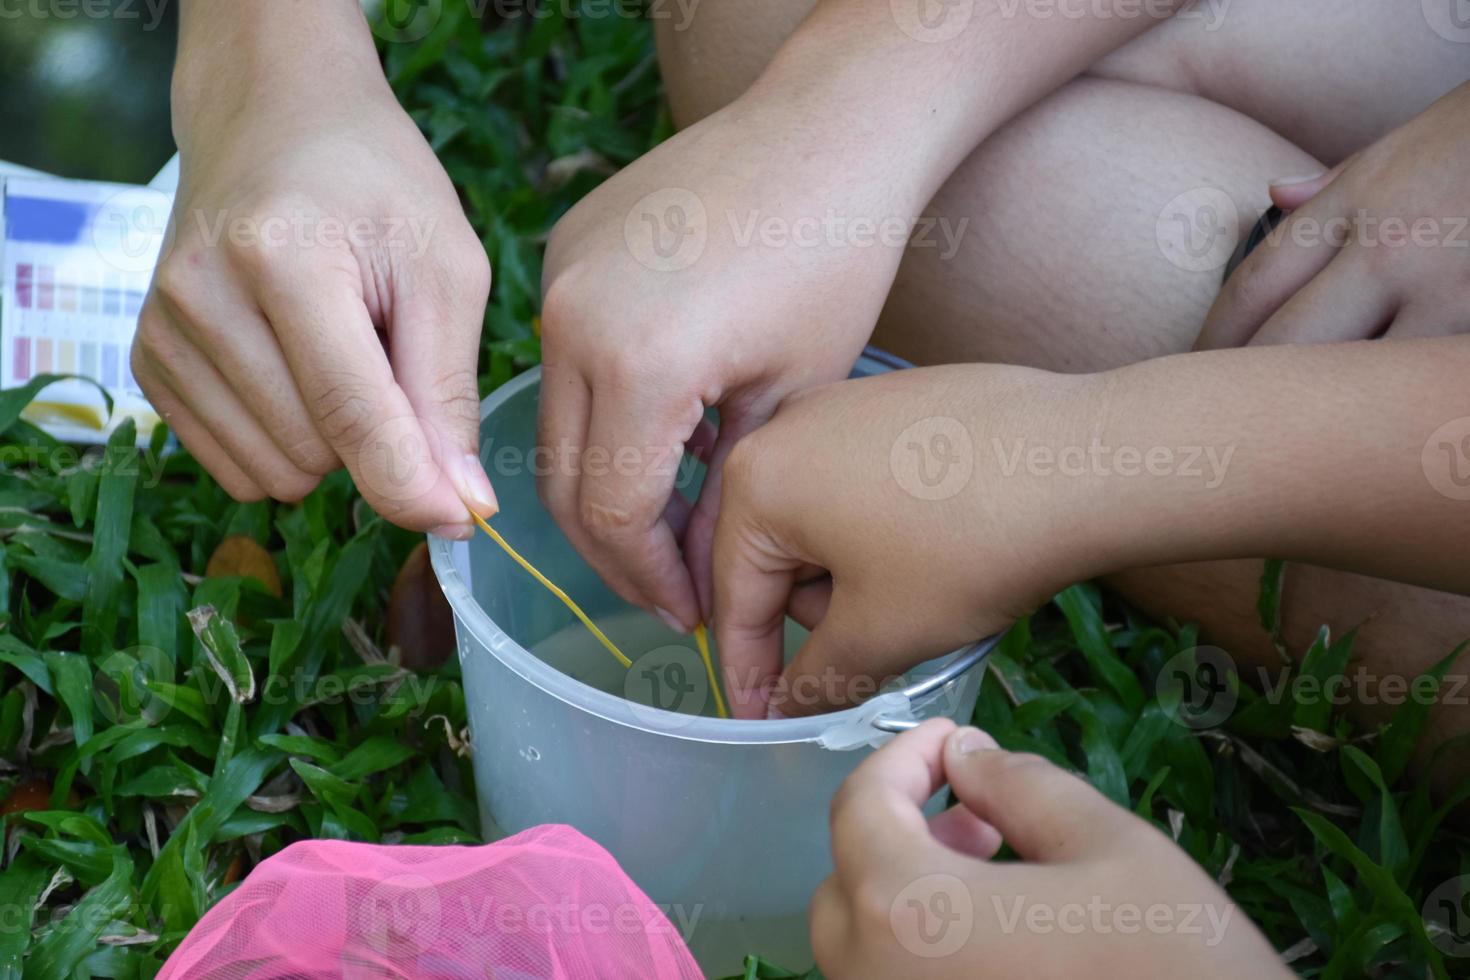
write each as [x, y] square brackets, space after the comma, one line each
[680, 284]
[1101, 893]
[1378, 246]
[928, 543]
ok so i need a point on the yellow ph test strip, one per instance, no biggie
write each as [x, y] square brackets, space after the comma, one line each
[701, 635]
[701, 640]
[554, 589]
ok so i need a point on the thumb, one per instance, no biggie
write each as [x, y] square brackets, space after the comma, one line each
[736, 422]
[1045, 814]
[435, 349]
[1290, 193]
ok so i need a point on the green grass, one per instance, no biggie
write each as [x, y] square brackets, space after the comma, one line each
[161, 793]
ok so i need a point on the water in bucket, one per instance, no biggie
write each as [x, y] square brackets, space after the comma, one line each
[667, 671]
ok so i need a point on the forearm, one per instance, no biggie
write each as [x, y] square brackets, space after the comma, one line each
[1336, 455]
[269, 55]
[905, 100]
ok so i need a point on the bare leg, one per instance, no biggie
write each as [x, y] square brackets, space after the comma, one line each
[1060, 263]
[1330, 76]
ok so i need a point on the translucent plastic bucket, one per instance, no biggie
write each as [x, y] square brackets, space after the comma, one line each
[722, 822]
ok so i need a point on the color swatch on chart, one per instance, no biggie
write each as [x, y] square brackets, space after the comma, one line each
[75, 265]
[35, 349]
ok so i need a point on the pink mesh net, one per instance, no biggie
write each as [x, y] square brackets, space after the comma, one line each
[545, 903]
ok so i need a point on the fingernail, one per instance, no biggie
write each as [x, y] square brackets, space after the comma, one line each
[1286, 181]
[475, 486]
[971, 740]
[454, 532]
[767, 692]
[670, 621]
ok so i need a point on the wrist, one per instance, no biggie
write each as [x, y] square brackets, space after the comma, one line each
[882, 128]
[985, 469]
[1041, 448]
[267, 56]
[1134, 467]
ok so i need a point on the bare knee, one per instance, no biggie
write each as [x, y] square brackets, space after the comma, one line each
[1368, 68]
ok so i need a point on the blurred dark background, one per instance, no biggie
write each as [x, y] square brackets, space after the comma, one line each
[84, 86]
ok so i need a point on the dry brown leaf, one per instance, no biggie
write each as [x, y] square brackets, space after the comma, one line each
[235, 871]
[34, 794]
[243, 556]
[1315, 740]
[420, 622]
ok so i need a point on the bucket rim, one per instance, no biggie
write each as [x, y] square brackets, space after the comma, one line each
[523, 663]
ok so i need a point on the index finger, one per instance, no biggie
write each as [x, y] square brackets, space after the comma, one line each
[1288, 258]
[343, 374]
[635, 442]
[753, 582]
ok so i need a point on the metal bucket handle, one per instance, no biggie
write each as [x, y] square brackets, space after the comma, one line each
[971, 656]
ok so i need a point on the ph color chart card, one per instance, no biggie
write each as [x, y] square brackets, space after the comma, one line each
[76, 261]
